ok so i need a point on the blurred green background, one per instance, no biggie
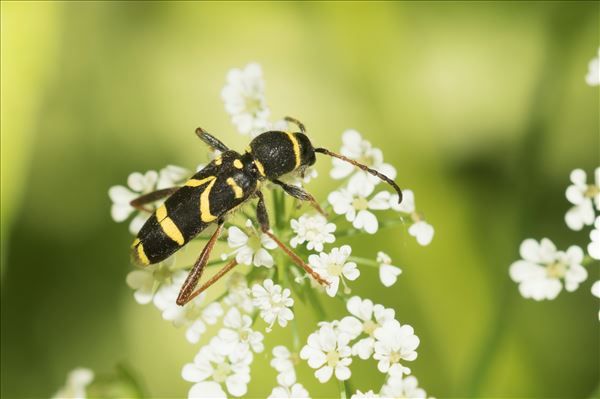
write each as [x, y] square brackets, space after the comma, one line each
[482, 108]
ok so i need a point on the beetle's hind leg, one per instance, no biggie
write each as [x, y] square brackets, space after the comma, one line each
[187, 292]
[142, 200]
[211, 140]
[263, 220]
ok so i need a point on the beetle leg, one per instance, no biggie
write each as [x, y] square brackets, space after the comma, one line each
[185, 294]
[211, 281]
[300, 194]
[211, 140]
[142, 200]
[263, 220]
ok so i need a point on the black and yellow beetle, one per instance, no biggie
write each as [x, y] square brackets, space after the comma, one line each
[222, 186]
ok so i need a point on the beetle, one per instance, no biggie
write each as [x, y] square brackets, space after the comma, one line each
[225, 184]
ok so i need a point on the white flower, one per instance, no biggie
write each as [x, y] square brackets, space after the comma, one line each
[314, 230]
[281, 361]
[398, 387]
[333, 267]
[218, 362]
[146, 281]
[170, 176]
[121, 196]
[356, 148]
[596, 292]
[294, 391]
[582, 196]
[540, 271]
[77, 381]
[594, 245]
[140, 184]
[244, 99]
[142, 281]
[328, 352]
[353, 202]
[238, 332]
[238, 293]
[388, 273]
[368, 394]
[593, 76]
[296, 179]
[408, 202]
[395, 342]
[365, 319]
[251, 249]
[274, 303]
[422, 231]
[192, 315]
[208, 390]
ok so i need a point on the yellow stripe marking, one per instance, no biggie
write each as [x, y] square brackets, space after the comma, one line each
[205, 214]
[196, 182]
[218, 161]
[161, 213]
[135, 242]
[249, 150]
[239, 193]
[169, 227]
[172, 231]
[294, 141]
[142, 255]
[238, 164]
[260, 167]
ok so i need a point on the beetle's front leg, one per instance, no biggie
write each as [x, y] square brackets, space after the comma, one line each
[300, 194]
[263, 221]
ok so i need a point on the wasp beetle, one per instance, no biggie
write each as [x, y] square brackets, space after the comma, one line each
[226, 183]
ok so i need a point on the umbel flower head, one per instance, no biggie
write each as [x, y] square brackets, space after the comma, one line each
[543, 269]
[227, 329]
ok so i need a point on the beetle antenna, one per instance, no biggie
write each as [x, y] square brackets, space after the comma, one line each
[365, 168]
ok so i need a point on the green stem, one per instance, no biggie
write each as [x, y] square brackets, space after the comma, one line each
[383, 225]
[295, 335]
[364, 261]
[343, 393]
[588, 260]
[314, 300]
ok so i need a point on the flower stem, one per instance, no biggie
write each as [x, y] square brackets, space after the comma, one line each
[364, 261]
[385, 224]
[343, 393]
[588, 260]
[316, 303]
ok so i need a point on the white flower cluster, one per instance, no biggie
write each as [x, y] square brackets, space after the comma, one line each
[286, 375]
[226, 359]
[140, 184]
[542, 269]
[244, 98]
[222, 365]
[396, 387]
[370, 331]
[357, 199]
[251, 248]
